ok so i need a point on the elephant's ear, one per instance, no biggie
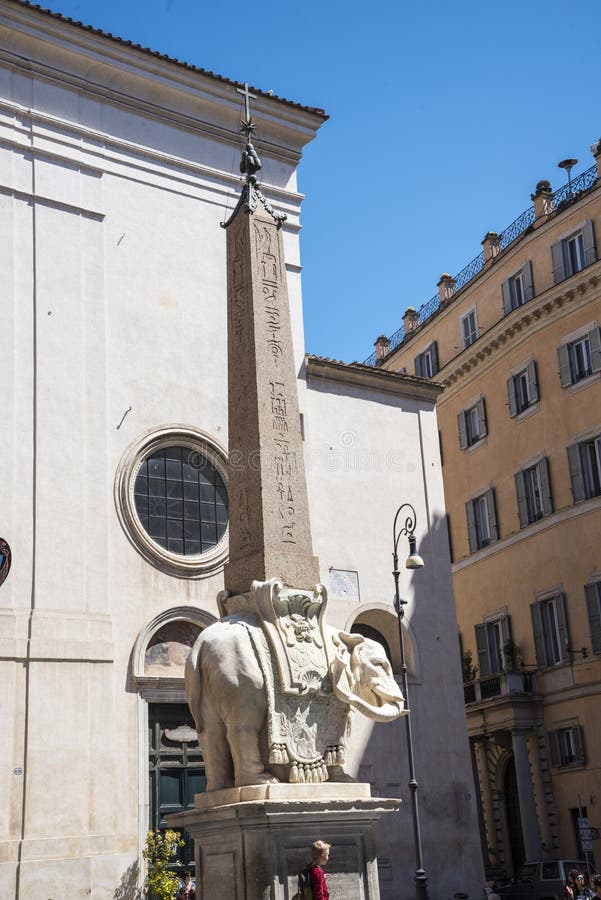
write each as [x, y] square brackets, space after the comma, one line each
[350, 640]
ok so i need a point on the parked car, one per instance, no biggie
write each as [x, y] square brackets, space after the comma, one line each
[541, 880]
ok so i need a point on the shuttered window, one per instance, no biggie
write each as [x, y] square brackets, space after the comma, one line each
[533, 489]
[522, 390]
[566, 747]
[469, 328]
[491, 638]
[426, 363]
[518, 289]
[550, 630]
[584, 459]
[471, 424]
[579, 359]
[573, 253]
[481, 521]
[592, 593]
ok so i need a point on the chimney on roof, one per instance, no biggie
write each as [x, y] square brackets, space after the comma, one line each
[491, 245]
[446, 288]
[596, 151]
[382, 345]
[543, 199]
[410, 320]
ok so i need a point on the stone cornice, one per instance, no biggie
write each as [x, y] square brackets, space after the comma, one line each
[373, 379]
[582, 508]
[92, 62]
[521, 323]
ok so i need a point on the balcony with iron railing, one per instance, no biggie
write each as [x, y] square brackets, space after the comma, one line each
[502, 684]
[563, 197]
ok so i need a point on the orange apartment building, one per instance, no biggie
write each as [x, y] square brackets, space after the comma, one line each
[515, 341]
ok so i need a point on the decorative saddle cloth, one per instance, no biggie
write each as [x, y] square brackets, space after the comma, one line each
[306, 721]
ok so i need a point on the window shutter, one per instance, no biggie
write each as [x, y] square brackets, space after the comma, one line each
[513, 403]
[537, 631]
[594, 339]
[481, 417]
[578, 745]
[588, 239]
[545, 486]
[520, 489]
[591, 592]
[462, 431]
[532, 381]
[482, 647]
[492, 515]
[419, 366]
[434, 356]
[554, 748]
[527, 281]
[471, 526]
[575, 465]
[449, 538]
[563, 357]
[506, 290]
[465, 332]
[559, 273]
[562, 625]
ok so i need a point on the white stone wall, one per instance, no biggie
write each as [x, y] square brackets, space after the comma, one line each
[115, 172]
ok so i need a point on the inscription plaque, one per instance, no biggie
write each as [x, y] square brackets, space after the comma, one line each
[344, 584]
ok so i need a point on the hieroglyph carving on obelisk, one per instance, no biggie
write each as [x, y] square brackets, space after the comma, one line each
[270, 534]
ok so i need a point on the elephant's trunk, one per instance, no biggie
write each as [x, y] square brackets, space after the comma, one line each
[388, 712]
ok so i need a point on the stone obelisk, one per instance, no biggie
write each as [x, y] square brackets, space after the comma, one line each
[269, 530]
[251, 835]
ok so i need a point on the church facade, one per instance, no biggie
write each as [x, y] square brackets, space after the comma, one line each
[115, 174]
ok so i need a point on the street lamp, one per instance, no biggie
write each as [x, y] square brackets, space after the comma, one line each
[413, 561]
[568, 165]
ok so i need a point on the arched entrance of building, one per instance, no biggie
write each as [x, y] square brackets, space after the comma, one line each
[379, 622]
[513, 819]
[171, 762]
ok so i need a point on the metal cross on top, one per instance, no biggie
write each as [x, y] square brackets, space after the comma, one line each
[248, 126]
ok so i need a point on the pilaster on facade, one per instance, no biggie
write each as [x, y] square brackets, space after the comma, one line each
[543, 789]
[486, 799]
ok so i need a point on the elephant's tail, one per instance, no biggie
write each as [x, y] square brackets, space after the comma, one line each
[193, 684]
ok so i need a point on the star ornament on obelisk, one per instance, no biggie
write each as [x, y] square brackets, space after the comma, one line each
[250, 164]
[269, 530]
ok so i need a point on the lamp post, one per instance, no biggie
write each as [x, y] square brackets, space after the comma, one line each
[413, 561]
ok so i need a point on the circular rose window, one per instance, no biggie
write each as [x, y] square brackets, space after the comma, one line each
[172, 494]
[181, 501]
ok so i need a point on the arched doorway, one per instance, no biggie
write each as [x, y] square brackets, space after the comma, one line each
[368, 631]
[512, 816]
[170, 755]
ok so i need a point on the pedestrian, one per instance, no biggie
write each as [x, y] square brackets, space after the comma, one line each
[569, 888]
[581, 891]
[597, 885]
[320, 852]
[186, 889]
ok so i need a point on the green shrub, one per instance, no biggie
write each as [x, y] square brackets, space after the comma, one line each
[161, 846]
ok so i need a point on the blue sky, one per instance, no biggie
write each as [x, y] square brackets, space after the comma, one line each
[443, 116]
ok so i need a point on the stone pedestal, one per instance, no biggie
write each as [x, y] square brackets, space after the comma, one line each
[250, 843]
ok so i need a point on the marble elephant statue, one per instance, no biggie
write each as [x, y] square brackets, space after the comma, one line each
[228, 697]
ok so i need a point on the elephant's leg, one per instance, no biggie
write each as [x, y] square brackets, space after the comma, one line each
[216, 754]
[243, 738]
